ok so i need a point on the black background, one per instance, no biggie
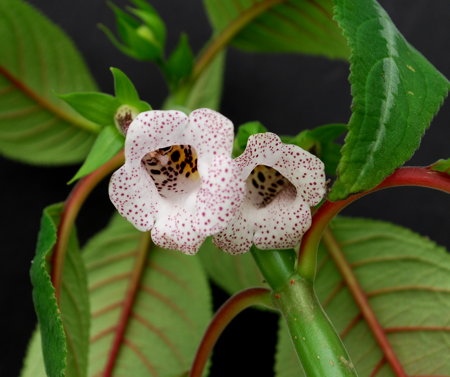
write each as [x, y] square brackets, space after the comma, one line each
[287, 93]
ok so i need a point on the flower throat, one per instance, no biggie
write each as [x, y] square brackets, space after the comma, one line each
[173, 169]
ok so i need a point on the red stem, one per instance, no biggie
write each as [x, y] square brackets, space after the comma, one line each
[406, 176]
[70, 212]
[230, 309]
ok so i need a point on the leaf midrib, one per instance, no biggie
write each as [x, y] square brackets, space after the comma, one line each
[361, 301]
[48, 106]
[127, 307]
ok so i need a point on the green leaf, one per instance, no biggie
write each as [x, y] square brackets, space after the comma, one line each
[35, 126]
[278, 26]
[442, 166]
[205, 92]
[169, 313]
[97, 107]
[180, 63]
[232, 273]
[396, 93]
[107, 145]
[64, 330]
[405, 278]
[243, 133]
[124, 88]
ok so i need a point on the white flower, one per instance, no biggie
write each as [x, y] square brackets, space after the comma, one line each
[282, 183]
[179, 179]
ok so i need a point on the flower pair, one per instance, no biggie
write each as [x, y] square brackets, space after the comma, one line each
[180, 182]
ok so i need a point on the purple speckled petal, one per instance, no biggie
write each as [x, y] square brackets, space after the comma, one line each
[281, 223]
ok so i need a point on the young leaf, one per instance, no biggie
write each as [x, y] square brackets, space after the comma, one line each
[396, 93]
[232, 273]
[150, 306]
[64, 329]
[179, 65]
[96, 107]
[405, 278]
[124, 88]
[143, 37]
[35, 126]
[278, 26]
[107, 145]
[126, 93]
[442, 166]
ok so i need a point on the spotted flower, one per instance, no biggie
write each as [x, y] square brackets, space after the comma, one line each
[179, 179]
[282, 183]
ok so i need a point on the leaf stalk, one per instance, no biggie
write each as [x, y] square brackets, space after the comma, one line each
[70, 212]
[405, 176]
[229, 310]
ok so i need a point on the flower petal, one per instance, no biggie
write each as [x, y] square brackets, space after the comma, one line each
[153, 130]
[175, 231]
[135, 197]
[220, 195]
[237, 237]
[261, 149]
[305, 171]
[282, 222]
[211, 134]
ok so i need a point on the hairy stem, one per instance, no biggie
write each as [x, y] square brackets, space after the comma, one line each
[362, 302]
[407, 176]
[71, 209]
[226, 313]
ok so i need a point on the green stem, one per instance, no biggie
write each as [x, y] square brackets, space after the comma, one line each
[407, 176]
[276, 265]
[315, 340]
[229, 310]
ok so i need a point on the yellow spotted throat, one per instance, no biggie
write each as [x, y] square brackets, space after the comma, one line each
[172, 168]
[264, 184]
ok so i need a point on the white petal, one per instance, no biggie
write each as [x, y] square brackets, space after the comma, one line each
[135, 197]
[237, 237]
[219, 197]
[153, 130]
[175, 231]
[261, 149]
[282, 223]
[211, 134]
[305, 171]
